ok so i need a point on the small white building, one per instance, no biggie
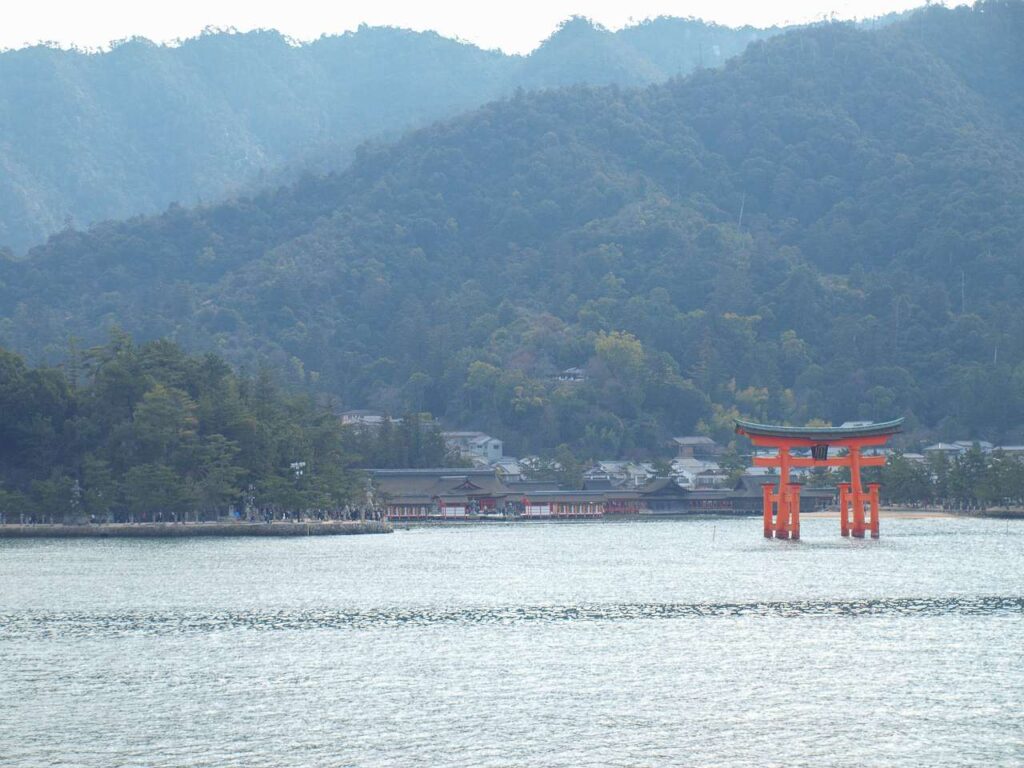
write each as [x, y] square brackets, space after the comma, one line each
[984, 445]
[364, 418]
[697, 447]
[696, 473]
[475, 445]
[572, 374]
[509, 470]
[710, 478]
[625, 474]
[949, 450]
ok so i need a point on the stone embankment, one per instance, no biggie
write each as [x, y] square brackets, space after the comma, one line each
[177, 530]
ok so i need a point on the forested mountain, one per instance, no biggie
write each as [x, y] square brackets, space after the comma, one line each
[86, 137]
[828, 227]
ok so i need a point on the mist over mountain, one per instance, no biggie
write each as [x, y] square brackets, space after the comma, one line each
[829, 226]
[87, 137]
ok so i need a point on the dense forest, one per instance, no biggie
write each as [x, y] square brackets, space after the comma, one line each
[828, 227]
[972, 479]
[135, 433]
[96, 136]
[123, 432]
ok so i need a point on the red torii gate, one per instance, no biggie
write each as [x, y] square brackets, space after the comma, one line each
[818, 440]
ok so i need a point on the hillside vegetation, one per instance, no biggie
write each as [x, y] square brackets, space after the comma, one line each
[828, 227]
[86, 137]
[133, 433]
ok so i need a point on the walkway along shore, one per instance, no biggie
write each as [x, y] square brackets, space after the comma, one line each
[178, 530]
[355, 527]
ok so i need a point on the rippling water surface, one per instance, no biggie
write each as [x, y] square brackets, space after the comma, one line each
[663, 643]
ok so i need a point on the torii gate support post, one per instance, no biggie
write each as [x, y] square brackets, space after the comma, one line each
[844, 509]
[794, 513]
[784, 521]
[873, 489]
[858, 492]
[767, 500]
[782, 514]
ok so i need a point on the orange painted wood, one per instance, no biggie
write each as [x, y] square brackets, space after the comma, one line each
[802, 461]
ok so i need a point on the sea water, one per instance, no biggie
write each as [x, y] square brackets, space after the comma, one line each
[691, 642]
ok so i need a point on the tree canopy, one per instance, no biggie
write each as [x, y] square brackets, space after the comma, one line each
[147, 432]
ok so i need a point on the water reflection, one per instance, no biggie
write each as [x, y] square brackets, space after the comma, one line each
[42, 624]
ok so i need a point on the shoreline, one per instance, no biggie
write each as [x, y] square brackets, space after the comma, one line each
[369, 527]
[886, 514]
[185, 530]
[890, 514]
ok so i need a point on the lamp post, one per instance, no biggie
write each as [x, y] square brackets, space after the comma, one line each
[299, 468]
[76, 501]
[249, 503]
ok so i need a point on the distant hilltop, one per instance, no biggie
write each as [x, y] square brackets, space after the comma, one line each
[88, 137]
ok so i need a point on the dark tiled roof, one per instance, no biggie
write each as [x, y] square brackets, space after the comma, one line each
[531, 486]
[567, 495]
[663, 486]
[750, 485]
[432, 471]
[820, 433]
[422, 485]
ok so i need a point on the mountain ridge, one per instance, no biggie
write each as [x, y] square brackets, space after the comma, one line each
[829, 227]
[93, 136]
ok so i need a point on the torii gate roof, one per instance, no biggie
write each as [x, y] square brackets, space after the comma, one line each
[822, 434]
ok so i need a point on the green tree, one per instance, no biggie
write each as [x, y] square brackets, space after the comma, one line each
[904, 481]
[213, 476]
[53, 499]
[967, 475]
[13, 505]
[100, 489]
[155, 491]
[165, 423]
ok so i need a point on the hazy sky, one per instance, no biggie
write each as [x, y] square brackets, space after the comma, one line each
[511, 26]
